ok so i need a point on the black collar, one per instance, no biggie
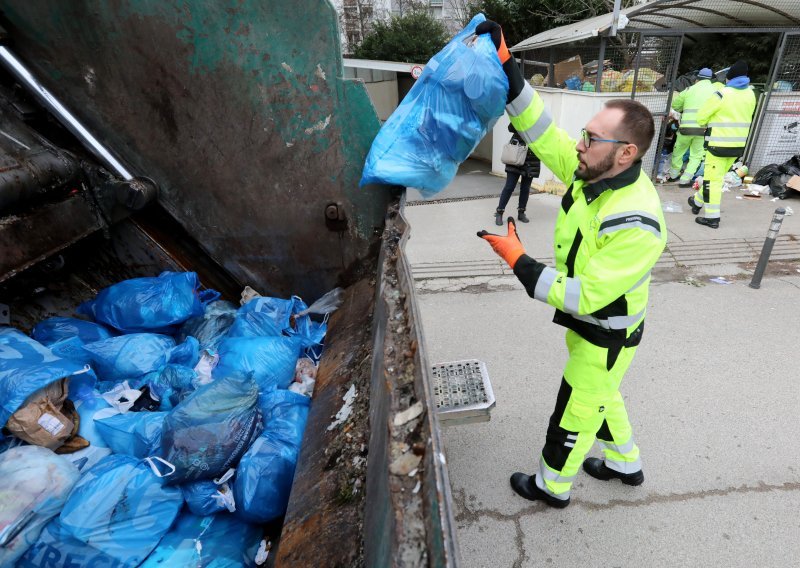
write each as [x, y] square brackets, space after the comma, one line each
[592, 191]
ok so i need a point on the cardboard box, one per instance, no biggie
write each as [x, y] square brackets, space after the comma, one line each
[794, 183]
[565, 69]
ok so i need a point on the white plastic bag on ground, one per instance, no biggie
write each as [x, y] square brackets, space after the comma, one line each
[34, 485]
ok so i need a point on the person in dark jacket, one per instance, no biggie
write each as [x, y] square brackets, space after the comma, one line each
[527, 171]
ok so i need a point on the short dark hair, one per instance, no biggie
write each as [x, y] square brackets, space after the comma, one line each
[637, 124]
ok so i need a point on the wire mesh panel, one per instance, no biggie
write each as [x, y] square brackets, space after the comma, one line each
[653, 74]
[776, 137]
[462, 391]
[628, 65]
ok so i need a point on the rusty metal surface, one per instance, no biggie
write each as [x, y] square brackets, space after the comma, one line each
[30, 167]
[236, 108]
[58, 286]
[406, 470]
[323, 524]
[28, 238]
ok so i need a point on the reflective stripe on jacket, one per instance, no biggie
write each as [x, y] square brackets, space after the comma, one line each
[728, 113]
[608, 236]
[688, 102]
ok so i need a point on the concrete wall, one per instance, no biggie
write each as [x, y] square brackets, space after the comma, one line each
[382, 87]
[571, 110]
[383, 95]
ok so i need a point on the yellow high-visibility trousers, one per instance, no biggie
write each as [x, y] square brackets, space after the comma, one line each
[709, 196]
[695, 145]
[589, 406]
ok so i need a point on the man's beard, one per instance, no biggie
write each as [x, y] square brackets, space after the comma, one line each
[598, 170]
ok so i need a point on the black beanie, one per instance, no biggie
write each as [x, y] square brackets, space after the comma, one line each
[738, 69]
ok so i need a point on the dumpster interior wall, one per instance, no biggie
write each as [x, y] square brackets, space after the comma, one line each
[238, 111]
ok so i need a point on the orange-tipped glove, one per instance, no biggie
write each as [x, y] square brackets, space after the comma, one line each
[509, 247]
[496, 33]
[516, 81]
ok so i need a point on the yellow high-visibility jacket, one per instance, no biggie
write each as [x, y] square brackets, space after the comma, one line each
[608, 236]
[688, 102]
[728, 113]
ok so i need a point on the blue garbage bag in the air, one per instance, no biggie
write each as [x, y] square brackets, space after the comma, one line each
[218, 541]
[454, 103]
[55, 329]
[264, 476]
[121, 508]
[26, 366]
[156, 305]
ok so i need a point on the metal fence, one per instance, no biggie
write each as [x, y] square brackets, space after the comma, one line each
[635, 65]
[775, 136]
[644, 66]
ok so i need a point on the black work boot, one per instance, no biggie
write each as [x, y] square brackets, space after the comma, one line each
[713, 223]
[525, 486]
[599, 470]
[498, 217]
[695, 208]
[685, 184]
[521, 216]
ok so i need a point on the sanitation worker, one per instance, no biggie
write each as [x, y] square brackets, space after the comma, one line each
[728, 114]
[691, 136]
[609, 233]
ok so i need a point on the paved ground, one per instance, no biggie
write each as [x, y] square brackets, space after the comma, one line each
[711, 394]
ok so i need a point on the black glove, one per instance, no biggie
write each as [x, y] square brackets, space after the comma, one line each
[515, 79]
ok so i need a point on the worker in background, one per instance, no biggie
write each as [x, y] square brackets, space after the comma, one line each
[728, 114]
[609, 233]
[691, 136]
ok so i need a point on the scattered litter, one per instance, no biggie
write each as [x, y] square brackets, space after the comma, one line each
[789, 210]
[672, 207]
[417, 487]
[405, 463]
[263, 551]
[208, 361]
[346, 409]
[122, 397]
[721, 280]
[305, 376]
[754, 188]
[732, 180]
[248, 294]
[408, 414]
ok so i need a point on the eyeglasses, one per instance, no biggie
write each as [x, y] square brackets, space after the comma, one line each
[588, 139]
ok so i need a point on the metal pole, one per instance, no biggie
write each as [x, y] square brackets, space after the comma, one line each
[615, 18]
[663, 133]
[598, 81]
[53, 105]
[636, 63]
[551, 79]
[769, 242]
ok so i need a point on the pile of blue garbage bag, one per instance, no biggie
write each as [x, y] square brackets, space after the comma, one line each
[193, 432]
